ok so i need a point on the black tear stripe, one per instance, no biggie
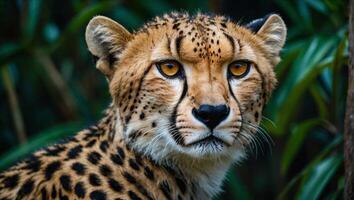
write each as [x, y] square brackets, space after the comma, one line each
[178, 44]
[136, 96]
[238, 103]
[231, 40]
[175, 132]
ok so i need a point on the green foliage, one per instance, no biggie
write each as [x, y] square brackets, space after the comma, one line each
[43, 49]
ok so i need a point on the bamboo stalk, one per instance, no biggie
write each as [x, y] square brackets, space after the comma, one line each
[67, 106]
[349, 115]
[14, 106]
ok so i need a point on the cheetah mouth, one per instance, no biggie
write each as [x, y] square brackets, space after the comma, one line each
[210, 140]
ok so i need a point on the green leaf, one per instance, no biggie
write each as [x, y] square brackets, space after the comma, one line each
[34, 9]
[319, 176]
[283, 194]
[81, 19]
[238, 189]
[303, 72]
[321, 99]
[318, 5]
[127, 18]
[337, 76]
[156, 7]
[296, 139]
[42, 139]
[8, 51]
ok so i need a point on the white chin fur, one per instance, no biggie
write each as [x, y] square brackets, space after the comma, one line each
[204, 165]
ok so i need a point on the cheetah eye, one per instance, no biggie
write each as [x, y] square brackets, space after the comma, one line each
[169, 68]
[240, 68]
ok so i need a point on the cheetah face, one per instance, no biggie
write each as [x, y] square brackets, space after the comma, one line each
[188, 85]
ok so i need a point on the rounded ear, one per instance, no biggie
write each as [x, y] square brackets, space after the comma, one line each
[106, 39]
[272, 30]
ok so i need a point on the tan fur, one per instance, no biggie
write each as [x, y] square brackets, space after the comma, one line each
[151, 120]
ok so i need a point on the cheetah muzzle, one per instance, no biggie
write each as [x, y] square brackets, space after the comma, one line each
[187, 99]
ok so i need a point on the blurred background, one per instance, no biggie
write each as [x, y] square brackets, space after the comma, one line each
[49, 87]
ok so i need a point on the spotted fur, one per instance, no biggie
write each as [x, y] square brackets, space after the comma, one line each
[149, 145]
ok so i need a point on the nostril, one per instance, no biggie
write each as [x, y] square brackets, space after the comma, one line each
[211, 115]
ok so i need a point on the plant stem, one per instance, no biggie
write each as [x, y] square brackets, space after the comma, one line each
[349, 115]
[14, 106]
[67, 106]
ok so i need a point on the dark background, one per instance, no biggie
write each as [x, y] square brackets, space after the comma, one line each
[49, 88]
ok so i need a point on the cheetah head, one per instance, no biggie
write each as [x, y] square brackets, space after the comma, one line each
[188, 86]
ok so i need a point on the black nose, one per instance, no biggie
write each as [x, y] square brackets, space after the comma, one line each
[210, 115]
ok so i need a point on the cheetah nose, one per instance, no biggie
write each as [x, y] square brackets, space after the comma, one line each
[211, 115]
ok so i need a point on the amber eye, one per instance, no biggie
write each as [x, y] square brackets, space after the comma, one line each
[169, 68]
[239, 69]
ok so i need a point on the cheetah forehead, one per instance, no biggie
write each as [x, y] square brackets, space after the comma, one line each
[196, 37]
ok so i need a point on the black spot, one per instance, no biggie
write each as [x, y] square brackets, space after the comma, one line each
[127, 119]
[74, 152]
[116, 159]
[79, 168]
[94, 180]
[103, 146]
[80, 190]
[153, 125]
[91, 143]
[142, 116]
[25, 189]
[44, 194]
[98, 195]
[94, 157]
[165, 188]
[105, 170]
[133, 164]
[148, 173]
[133, 196]
[138, 186]
[175, 26]
[54, 151]
[51, 169]
[256, 115]
[111, 60]
[181, 185]
[138, 159]
[179, 197]
[63, 197]
[54, 192]
[11, 181]
[33, 164]
[129, 177]
[114, 185]
[65, 181]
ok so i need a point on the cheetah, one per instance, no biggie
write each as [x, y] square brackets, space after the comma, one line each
[187, 98]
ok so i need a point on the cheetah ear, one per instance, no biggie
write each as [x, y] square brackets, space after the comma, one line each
[105, 39]
[272, 29]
